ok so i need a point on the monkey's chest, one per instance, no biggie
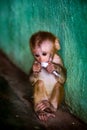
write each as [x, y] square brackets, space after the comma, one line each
[48, 79]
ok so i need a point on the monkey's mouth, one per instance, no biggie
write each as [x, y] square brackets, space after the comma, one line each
[44, 64]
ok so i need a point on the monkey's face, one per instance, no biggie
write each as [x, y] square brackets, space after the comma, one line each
[43, 52]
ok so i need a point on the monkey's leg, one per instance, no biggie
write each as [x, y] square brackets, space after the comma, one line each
[41, 103]
[57, 95]
[40, 93]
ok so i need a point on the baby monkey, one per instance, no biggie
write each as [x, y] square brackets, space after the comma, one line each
[48, 74]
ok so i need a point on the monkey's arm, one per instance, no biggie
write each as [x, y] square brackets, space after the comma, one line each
[59, 68]
[61, 73]
[33, 77]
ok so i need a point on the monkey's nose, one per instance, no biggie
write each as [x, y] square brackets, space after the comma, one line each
[40, 59]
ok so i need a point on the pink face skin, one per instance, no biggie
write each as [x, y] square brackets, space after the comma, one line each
[42, 53]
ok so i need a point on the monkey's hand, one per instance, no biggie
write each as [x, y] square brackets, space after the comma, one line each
[36, 67]
[45, 110]
[50, 68]
[46, 106]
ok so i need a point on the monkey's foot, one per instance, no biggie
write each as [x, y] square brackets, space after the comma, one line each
[45, 110]
[44, 116]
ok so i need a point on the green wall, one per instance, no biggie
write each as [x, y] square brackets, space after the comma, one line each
[67, 19]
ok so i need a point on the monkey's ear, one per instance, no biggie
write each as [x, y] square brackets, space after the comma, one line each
[57, 44]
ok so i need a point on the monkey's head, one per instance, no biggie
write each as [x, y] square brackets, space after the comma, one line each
[44, 45]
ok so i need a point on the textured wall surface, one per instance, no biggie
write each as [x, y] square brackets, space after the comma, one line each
[67, 19]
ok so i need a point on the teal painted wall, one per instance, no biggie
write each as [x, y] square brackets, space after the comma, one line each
[67, 19]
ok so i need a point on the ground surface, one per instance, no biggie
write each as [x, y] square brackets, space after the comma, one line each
[16, 111]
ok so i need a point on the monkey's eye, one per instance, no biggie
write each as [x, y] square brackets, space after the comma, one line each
[36, 55]
[44, 53]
